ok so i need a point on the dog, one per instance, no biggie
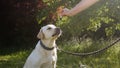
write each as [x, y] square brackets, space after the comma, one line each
[45, 53]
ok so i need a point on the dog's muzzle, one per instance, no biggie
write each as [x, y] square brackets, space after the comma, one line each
[58, 31]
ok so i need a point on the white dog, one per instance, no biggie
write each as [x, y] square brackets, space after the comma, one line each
[45, 53]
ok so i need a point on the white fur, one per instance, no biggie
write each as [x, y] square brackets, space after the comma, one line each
[41, 58]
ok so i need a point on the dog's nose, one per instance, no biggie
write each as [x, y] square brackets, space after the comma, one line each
[57, 29]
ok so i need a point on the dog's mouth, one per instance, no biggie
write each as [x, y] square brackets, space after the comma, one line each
[58, 32]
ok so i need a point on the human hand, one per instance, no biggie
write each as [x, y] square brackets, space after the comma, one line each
[61, 11]
[65, 12]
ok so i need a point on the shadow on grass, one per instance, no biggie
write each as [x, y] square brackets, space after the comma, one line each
[11, 64]
[14, 60]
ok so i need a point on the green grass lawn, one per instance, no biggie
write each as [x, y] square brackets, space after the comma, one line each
[106, 59]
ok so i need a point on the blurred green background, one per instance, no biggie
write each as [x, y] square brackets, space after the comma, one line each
[87, 31]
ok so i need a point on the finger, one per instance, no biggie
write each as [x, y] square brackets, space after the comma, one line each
[65, 9]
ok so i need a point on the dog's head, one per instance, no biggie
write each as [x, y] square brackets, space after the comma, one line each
[49, 32]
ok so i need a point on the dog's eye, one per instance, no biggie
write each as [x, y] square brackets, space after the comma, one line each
[49, 28]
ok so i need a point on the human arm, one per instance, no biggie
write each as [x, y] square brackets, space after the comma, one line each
[82, 5]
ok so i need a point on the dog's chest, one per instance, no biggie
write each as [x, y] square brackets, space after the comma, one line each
[49, 56]
[49, 53]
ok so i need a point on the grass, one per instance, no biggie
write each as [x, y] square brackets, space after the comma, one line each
[106, 59]
[15, 60]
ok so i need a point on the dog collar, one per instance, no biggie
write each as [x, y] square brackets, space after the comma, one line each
[47, 48]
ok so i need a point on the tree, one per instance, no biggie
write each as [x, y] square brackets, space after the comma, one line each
[18, 23]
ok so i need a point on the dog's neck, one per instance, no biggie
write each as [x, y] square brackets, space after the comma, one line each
[48, 43]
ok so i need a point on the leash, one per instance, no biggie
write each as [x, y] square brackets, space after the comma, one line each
[90, 53]
[84, 54]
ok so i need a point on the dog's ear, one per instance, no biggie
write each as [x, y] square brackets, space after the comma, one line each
[40, 35]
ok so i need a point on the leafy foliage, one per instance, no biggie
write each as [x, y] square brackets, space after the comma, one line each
[18, 24]
[49, 13]
[106, 16]
[102, 18]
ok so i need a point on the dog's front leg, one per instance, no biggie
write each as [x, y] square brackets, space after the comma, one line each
[54, 64]
[54, 61]
[47, 65]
